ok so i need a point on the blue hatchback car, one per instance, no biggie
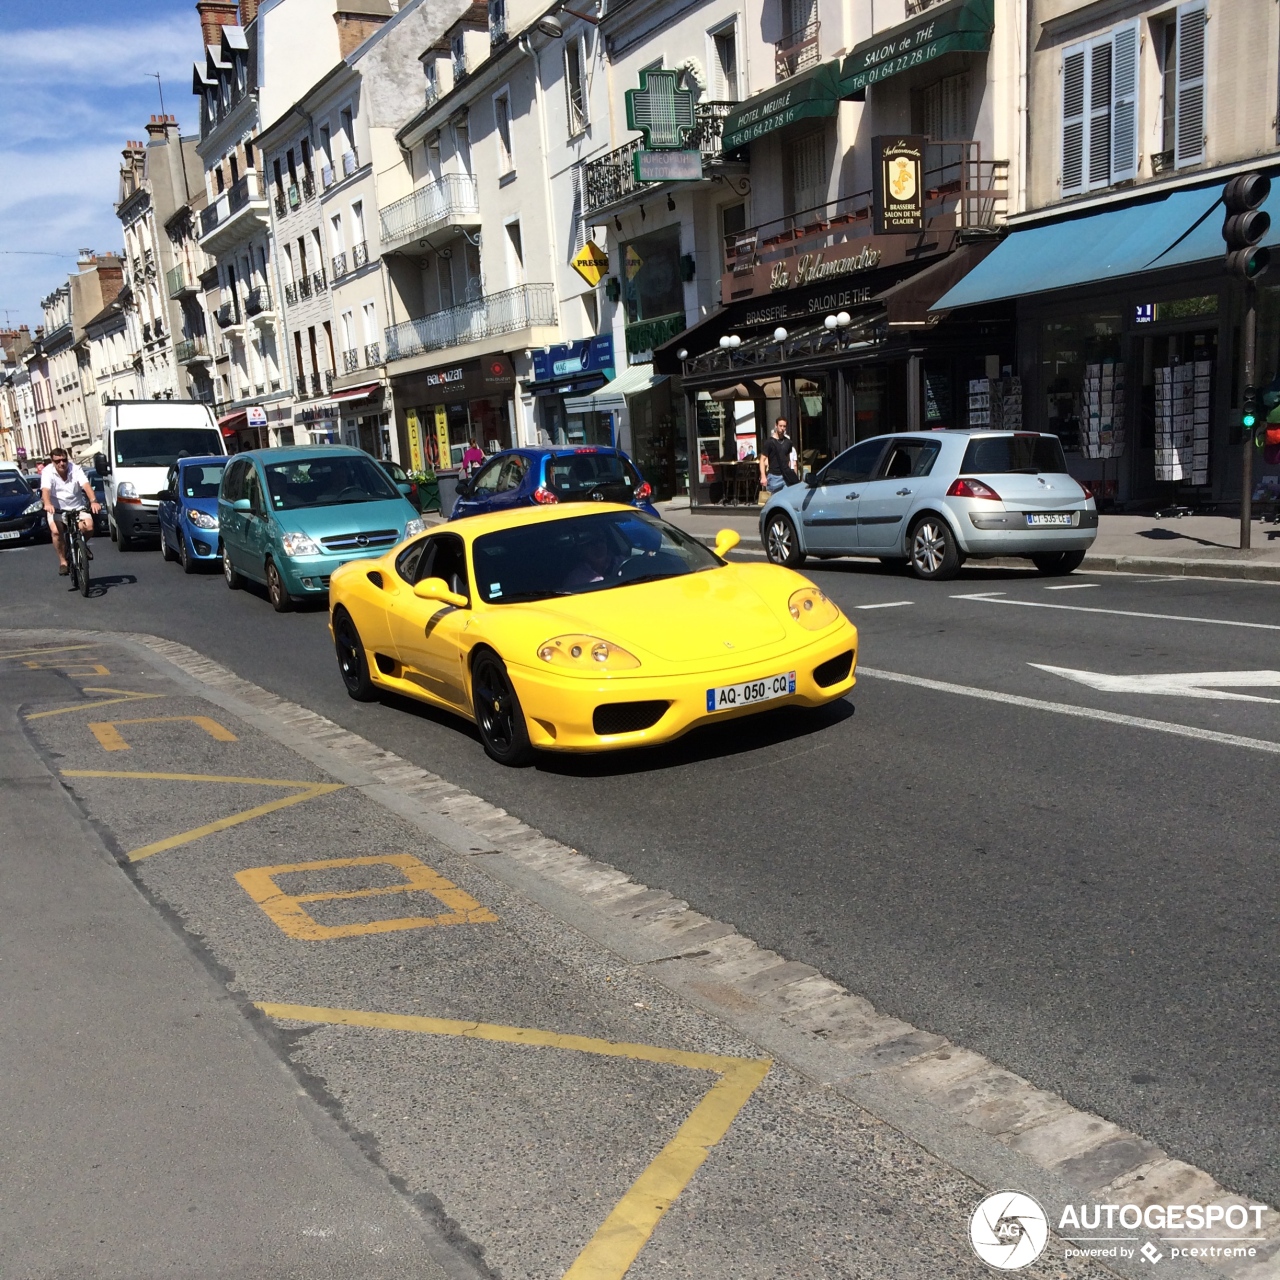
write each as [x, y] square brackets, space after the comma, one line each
[188, 511]
[532, 477]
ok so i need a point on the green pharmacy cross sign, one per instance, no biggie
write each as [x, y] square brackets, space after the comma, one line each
[660, 110]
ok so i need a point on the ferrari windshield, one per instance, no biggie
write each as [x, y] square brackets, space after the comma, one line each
[583, 554]
[328, 481]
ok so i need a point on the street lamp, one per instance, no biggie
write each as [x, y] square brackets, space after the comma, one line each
[779, 334]
[729, 341]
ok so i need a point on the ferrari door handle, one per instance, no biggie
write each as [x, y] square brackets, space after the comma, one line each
[902, 493]
[850, 497]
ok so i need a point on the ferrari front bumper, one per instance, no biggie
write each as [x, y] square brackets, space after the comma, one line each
[563, 713]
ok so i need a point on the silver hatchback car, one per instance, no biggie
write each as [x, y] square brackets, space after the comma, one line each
[933, 499]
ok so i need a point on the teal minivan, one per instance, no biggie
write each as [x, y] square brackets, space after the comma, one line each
[290, 517]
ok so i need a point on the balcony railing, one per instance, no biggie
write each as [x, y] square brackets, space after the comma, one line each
[227, 315]
[359, 255]
[350, 361]
[350, 162]
[373, 354]
[177, 282]
[243, 192]
[304, 286]
[318, 282]
[506, 312]
[281, 207]
[432, 94]
[243, 189]
[209, 218]
[258, 301]
[796, 52]
[308, 186]
[962, 193]
[328, 381]
[339, 266]
[452, 196]
[612, 177]
[291, 294]
[190, 349]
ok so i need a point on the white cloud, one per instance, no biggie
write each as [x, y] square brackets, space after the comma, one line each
[98, 57]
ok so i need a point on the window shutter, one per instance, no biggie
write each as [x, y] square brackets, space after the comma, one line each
[1189, 125]
[1073, 77]
[1124, 102]
[578, 231]
[1098, 149]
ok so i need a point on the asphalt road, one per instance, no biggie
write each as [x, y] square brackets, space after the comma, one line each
[1089, 902]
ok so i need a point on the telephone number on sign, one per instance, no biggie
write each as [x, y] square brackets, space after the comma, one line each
[742, 695]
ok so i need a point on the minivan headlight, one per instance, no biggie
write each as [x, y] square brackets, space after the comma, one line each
[127, 491]
[414, 527]
[298, 544]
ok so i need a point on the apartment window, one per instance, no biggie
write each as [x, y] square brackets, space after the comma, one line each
[357, 221]
[348, 330]
[235, 169]
[275, 165]
[370, 322]
[808, 164]
[433, 86]
[574, 86]
[335, 224]
[458, 55]
[462, 145]
[502, 126]
[248, 155]
[444, 282]
[1189, 111]
[1099, 111]
[733, 220]
[305, 148]
[348, 129]
[326, 145]
[725, 64]
[943, 109]
[515, 253]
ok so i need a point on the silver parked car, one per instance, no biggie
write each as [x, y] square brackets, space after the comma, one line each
[933, 499]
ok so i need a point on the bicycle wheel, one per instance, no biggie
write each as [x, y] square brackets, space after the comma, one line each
[82, 563]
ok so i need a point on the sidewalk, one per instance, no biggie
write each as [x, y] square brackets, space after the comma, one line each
[1201, 546]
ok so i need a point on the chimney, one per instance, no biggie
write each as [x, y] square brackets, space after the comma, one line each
[214, 15]
[86, 259]
[357, 20]
[248, 11]
[159, 126]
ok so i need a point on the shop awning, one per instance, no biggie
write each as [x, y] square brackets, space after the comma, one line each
[631, 381]
[907, 303]
[808, 96]
[958, 26]
[362, 392]
[566, 386]
[1180, 227]
[233, 421]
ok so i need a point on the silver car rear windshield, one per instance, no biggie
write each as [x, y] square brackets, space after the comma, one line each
[588, 553]
[998, 455]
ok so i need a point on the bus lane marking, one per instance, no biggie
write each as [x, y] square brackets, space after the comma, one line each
[109, 736]
[289, 913]
[627, 1229]
[306, 791]
[77, 669]
[125, 695]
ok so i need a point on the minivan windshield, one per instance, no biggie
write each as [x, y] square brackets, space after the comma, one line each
[999, 455]
[160, 446]
[328, 482]
[586, 553]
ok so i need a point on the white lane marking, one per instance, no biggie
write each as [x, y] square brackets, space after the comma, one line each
[892, 604]
[989, 597]
[1178, 684]
[1082, 713]
[1075, 586]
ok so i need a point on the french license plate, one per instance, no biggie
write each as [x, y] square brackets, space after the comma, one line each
[1057, 518]
[13, 533]
[752, 691]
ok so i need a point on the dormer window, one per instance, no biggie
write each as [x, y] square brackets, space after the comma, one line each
[211, 105]
[240, 74]
[226, 95]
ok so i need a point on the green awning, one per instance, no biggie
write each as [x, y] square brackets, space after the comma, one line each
[810, 95]
[958, 26]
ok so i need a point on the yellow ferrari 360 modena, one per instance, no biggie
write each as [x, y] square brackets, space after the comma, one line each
[571, 629]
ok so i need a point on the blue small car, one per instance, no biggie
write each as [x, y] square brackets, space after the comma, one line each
[531, 477]
[22, 518]
[188, 511]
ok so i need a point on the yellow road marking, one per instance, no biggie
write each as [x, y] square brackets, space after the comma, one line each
[309, 791]
[287, 910]
[616, 1245]
[126, 695]
[109, 736]
[74, 669]
[60, 648]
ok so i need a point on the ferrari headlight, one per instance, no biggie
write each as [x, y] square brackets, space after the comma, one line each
[811, 609]
[414, 527]
[298, 544]
[586, 654]
[201, 519]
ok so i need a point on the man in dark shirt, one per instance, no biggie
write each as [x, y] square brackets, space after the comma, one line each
[777, 469]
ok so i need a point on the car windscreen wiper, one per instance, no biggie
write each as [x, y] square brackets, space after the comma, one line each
[525, 597]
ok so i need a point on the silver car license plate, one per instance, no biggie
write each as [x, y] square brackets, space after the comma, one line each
[728, 696]
[1056, 518]
[12, 533]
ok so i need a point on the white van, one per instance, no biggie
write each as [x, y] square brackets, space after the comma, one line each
[141, 440]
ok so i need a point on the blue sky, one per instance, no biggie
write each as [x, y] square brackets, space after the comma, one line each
[73, 89]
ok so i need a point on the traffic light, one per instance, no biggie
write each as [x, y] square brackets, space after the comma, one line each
[1246, 224]
[1249, 411]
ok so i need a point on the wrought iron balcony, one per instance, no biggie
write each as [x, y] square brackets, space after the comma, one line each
[281, 207]
[373, 354]
[507, 312]
[235, 214]
[328, 381]
[304, 286]
[611, 178]
[318, 282]
[350, 361]
[258, 301]
[797, 51]
[451, 200]
[339, 266]
[291, 294]
[227, 315]
[359, 255]
[308, 185]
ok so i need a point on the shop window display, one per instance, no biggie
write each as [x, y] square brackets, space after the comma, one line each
[1075, 353]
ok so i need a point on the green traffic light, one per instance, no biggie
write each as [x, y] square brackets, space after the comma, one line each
[1250, 420]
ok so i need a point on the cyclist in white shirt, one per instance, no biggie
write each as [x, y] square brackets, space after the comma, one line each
[65, 487]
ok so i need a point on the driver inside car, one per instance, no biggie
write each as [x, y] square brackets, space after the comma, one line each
[596, 561]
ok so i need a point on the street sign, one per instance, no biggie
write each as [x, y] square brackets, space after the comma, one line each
[591, 263]
[256, 416]
[898, 184]
[667, 166]
[660, 110]
[1177, 684]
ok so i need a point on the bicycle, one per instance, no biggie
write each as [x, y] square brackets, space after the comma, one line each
[77, 549]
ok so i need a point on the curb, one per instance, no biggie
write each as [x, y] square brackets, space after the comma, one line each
[984, 1121]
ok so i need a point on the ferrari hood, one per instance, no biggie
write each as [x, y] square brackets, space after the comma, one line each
[692, 618]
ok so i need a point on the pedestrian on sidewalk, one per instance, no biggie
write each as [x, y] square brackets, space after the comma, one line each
[778, 460]
[472, 458]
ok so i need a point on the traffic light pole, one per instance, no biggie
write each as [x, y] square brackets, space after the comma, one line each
[1246, 464]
